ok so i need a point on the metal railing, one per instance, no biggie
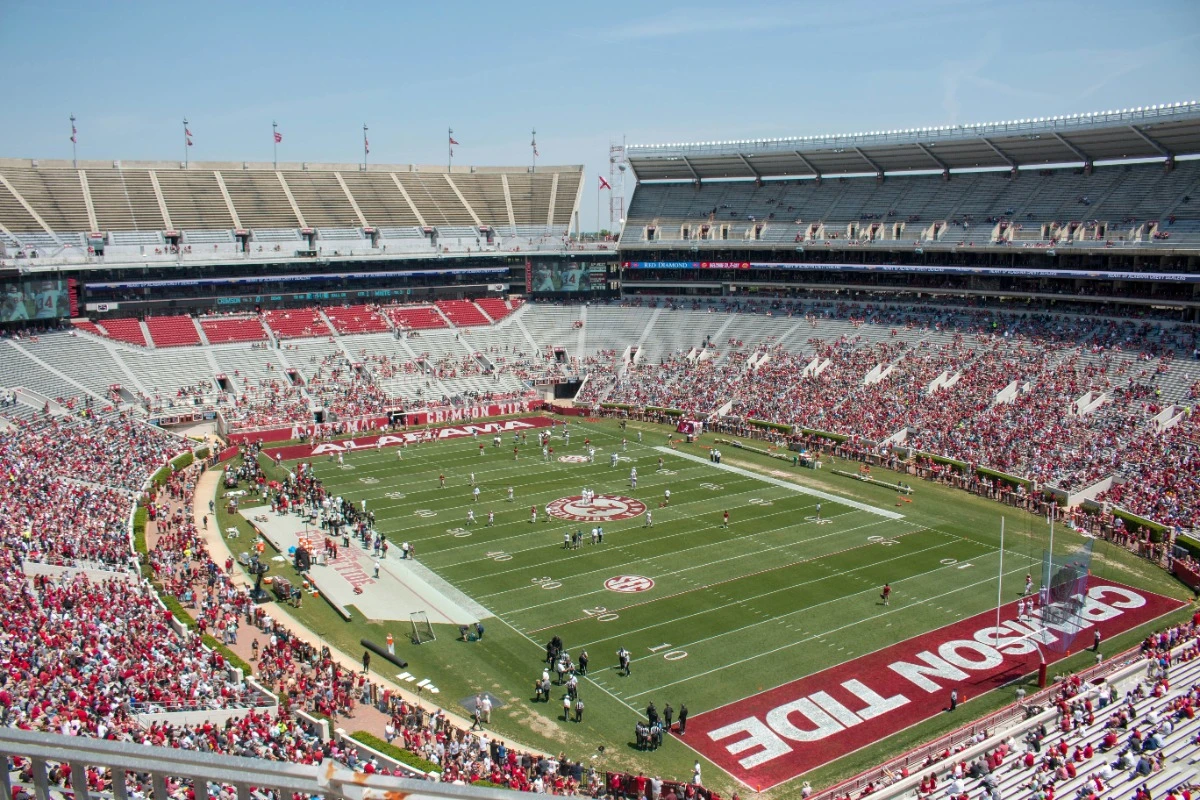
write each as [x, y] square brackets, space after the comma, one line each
[251, 778]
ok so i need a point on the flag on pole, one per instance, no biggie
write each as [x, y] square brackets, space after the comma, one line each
[603, 183]
[453, 141]
[366, 144]
[189, 142]
[186, 132]
[278, 137]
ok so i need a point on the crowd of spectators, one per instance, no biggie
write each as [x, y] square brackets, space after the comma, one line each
[1063, 401]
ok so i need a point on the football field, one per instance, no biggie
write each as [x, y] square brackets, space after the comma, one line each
[718, 617]
[711, 614]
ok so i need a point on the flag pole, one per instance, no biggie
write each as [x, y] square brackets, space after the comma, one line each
[366, 147]
[533, 144]
[597, 231]
[185, 141]
[449, 148]
[274, 145]
[74, 154]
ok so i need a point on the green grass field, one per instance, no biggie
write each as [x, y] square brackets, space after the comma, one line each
[775, 596]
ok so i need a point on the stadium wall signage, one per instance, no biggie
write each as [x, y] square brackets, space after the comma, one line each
[409, 437]
[426, 416]
[779, 734]
[1001, 271]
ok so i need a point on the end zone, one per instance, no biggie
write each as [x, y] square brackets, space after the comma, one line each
[377, 441]
[779, 734]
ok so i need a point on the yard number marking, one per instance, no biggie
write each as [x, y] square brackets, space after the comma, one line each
[601, 614]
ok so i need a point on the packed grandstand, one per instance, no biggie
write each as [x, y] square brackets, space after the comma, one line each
[969, 306]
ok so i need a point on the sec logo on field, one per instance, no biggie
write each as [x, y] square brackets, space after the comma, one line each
[603, 508]
[629, 584]
[573, 459]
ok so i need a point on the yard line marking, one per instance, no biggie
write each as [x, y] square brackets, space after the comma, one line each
[636, 542]
[825, 633]
[661, 575]
[555, 523]
[744, 600]
[539, 647]
[536, 498]
[776, 618]
[787, 485]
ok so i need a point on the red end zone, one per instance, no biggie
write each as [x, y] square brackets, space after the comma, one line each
[412, 437]
[772, 737]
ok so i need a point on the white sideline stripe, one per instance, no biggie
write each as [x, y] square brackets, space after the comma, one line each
[745, 473]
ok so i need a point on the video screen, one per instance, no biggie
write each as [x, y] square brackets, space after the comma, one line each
[567, 276]
[33, 299]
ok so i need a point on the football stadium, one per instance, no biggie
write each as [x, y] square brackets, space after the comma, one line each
[828, 465]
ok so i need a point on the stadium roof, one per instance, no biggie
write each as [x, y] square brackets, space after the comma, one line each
[1161, 131]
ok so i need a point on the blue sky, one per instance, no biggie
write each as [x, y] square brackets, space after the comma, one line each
[582, 74]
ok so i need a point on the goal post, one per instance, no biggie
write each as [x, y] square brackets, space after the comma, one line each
[1063, 594]
[422, 630]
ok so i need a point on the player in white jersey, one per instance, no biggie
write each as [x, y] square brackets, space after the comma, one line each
[491, 519]
[470, 517]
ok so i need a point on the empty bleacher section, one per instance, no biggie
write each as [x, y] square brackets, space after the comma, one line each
[415, 317]
[484, 193]
[494, 307]
[84, 360]
[194, 200]
[174, 374]
[380, 200]
[300, 323]
[124, 200]
[55, 194]
[904, 208]
[321, 200]
[221, 330]
[124, 329]
[437, 199]
[356, 319]
[207, 237]
[41, 206]
[462, 313]
[565, 199]
[18, 369]
[554, 326]
[173, 331]
[530, 195]
[259, 199]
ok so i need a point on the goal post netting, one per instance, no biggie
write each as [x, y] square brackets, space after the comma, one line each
[1064, 592]
[422, 631]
